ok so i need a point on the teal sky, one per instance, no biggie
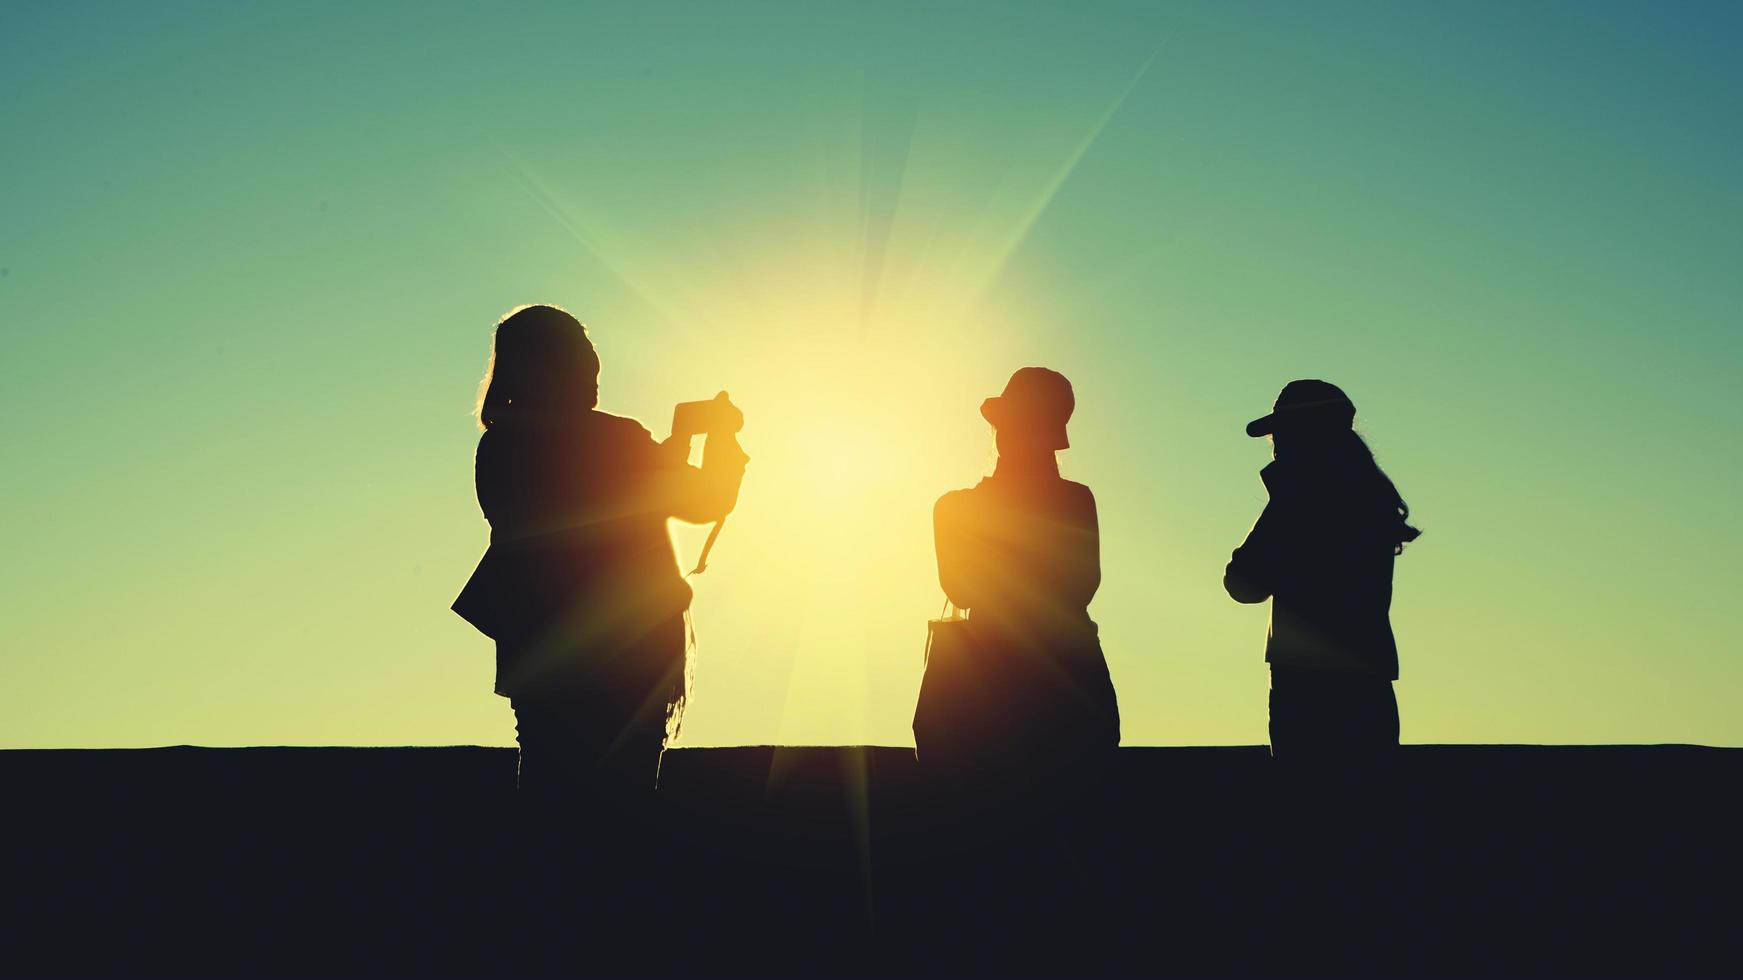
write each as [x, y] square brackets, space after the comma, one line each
[250, 256]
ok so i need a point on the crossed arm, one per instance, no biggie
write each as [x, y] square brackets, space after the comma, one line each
[1251, 575]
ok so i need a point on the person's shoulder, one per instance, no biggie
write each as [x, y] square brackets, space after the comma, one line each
[959, 497]
[606, 421]
[492, 443]
[618, 427]
[1079, 500]
[626, 441]
[953, 502]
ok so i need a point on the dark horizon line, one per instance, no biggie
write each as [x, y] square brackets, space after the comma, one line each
[843, 745]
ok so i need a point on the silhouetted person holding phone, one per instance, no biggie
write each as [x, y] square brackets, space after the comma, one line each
[1322, 551]
[580, 587]
[1021, 554]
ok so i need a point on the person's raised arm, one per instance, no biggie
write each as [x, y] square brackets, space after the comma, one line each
[699, 495]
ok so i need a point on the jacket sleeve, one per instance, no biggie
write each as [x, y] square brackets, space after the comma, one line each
[1252, 572]
[491, 479]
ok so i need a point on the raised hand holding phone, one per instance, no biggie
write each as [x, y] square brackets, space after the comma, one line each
[716, 416]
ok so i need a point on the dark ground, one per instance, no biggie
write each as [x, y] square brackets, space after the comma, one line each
[1491, 860]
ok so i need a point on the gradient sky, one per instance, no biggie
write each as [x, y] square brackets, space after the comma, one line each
[250, 256]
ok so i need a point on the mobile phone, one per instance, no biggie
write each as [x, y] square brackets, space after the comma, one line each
[717, 414]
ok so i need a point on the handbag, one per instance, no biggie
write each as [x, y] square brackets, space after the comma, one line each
[944, 726]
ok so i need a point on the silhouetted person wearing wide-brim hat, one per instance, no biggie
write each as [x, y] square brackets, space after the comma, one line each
[1322, 552]
[1021, 553]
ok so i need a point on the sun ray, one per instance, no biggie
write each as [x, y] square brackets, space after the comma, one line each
[856, 784]
[882, 176]
[1002, 251]
[541, 194]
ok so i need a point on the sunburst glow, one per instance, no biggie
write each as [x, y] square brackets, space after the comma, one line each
[859, 335]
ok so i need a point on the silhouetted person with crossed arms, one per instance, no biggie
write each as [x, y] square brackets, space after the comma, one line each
[1322, 552]
[1021, 553]
[580, 587]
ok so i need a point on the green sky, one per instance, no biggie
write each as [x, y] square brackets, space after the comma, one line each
[250, 256]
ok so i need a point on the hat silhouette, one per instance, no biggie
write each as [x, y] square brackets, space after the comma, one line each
[1306, 403]
[1035, 400]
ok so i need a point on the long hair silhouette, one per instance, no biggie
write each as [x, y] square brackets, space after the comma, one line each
[1322, 552]
[1347, 455]
[580, 586]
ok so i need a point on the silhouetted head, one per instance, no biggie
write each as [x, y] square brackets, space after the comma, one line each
[1031, 414]
[542, 366]
[1311, 425]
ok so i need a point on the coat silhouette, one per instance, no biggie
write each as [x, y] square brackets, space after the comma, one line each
[1020, 552]
[580, 587]
[1322, 551]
